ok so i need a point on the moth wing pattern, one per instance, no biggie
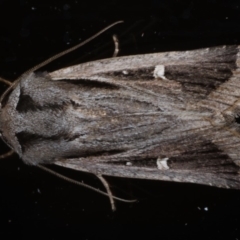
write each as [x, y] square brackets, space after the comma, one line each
[170, 116]
[192, 101]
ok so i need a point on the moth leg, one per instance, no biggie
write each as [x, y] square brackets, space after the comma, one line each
[5, 155]
[110, 195]
[6, 81]
[116, 45]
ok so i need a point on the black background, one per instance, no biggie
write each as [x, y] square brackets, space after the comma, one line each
[31, 200]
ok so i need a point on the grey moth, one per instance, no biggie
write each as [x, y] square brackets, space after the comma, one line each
[172, 116]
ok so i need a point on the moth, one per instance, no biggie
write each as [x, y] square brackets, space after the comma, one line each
[172, 116]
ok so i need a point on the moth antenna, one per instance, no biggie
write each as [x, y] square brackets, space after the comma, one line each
[6, 81]
[70, 49]
[55, 57]
[9, 153]
[116, 45]
[109, 194]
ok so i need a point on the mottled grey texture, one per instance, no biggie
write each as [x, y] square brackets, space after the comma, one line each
[115, 117]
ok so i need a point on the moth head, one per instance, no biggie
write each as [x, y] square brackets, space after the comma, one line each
[6, 112]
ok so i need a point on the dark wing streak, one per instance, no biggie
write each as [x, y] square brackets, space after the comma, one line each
[217, 101]
[126, 85]
[229, 94]
[221, 180]
[146, 60]
[94, 68]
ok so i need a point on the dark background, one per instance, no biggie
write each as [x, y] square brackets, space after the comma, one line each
[31, 200]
